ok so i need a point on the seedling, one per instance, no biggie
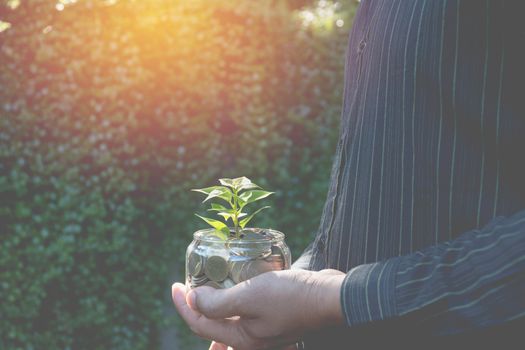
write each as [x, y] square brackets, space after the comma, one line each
[237, 193]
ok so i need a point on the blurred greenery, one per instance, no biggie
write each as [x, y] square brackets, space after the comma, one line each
[110, 111]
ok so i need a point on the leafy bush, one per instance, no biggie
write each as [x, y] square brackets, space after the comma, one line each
[110, 112]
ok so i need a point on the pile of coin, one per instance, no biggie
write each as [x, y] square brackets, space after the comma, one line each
[225, 271]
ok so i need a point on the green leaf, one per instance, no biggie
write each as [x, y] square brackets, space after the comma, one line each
[230, 214]
[216, 224]
[207, 190]
[222, 233]
[243, 183]
[226, 182]
[221, 229]
[248, 186]
[254, 195]
[239, 183]
[225, 216]
[216, 191]
[244, 221]
[242, 202]
[218, 207]
[221, 208]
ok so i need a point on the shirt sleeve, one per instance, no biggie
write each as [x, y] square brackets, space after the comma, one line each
[476, 280]
[303, 262]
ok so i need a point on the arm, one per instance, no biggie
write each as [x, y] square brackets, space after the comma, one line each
[274, 309]
[474, 281]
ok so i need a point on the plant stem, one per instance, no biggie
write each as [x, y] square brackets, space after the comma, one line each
[235, 214]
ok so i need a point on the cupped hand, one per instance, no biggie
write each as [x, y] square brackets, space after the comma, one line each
[271, 310]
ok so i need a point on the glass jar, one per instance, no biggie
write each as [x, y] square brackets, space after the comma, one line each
[218, 263]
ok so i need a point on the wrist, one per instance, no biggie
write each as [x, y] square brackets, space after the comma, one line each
[335, 310]
[329, 298]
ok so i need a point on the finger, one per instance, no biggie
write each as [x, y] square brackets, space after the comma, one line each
[217, 346]
[216, 303]
[224, 331]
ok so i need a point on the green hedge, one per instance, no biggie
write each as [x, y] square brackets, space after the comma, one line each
[110, 112]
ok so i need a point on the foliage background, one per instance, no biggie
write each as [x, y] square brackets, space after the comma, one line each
[110, 111]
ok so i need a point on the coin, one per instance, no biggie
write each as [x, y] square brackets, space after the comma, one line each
[228, 283]
[277, 266]
[274, 257]
[195, 264]
[216, 268]
[236, 269]
[276, 261]
[278, 257]
[257, 267]
[213, 284]
[198, 281]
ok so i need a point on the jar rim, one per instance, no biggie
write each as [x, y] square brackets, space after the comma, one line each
[205, 236]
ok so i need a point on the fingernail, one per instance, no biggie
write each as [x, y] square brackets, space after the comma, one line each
[177, 292]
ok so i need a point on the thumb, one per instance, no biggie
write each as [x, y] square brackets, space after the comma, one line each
[214, 303]
[218, 346]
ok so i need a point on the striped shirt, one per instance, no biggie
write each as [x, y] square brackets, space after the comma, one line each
[426, 204]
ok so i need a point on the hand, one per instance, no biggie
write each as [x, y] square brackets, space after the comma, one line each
[273, 309]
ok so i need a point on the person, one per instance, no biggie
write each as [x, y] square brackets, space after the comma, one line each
[422, 236]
